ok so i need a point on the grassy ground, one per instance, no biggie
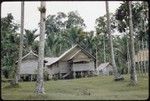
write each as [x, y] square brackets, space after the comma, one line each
[101, 88]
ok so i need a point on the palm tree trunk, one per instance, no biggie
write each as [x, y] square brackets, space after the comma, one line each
[128, 57]
[133, 76]
[146, 58]
[140, 63]
[40, 78]
[104, 49]
[139, 67]
[17, 76]
[111, 43]
[143, 57]
[96, 57]
[147, 63]
[144, 28]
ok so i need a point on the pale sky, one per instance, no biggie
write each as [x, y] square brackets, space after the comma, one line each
[88, 10]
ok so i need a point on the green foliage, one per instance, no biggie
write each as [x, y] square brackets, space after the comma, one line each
[5, 71]
[35, 46]
[9, 43]
[74, 20]
[101, 31]
[29, 40]
[30, 36]
[63, 31]
[101, 25]
[140, 18]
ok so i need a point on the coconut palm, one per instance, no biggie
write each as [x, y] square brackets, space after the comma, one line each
[133, 76]
[21, 44]
[30, 37]
[111, 44]
[40, 77]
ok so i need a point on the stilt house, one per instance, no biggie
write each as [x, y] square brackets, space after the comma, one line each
[75, 62]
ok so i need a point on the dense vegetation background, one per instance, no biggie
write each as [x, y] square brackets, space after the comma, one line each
[65, 30]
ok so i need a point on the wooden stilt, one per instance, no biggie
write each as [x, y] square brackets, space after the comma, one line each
[88, 73]
[74, 74]
[60, 75]
[31, 77]
[23, 76]
[81, 73]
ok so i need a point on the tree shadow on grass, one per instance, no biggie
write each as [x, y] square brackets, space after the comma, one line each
[12, 86]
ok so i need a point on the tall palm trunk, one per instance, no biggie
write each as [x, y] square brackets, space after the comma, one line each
[128, 57]
[17, 77]
[133, 76]
[138, 63]
[96, 54]
[40, 78]
[111, 43]
[147, 63]
[104, 49]
[143, 58]
[140, 58]
[145, 30]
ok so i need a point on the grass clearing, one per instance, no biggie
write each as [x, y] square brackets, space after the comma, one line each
[94, 88]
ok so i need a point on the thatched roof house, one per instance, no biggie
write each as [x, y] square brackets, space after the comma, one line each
[29, 65]
[75, 61]
[104, 69]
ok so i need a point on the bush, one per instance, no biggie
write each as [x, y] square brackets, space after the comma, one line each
[55, 77]
[6, 71]
[46, 75]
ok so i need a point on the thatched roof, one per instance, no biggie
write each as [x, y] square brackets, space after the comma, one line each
[30, 54]
[103, 65]
[50, 60]
[54, 60]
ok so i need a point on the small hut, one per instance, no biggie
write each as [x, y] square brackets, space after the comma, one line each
[28, 69]
[104, 69]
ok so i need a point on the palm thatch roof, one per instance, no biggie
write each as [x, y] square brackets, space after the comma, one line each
[31, 53]
[56, 59]
[50, 60]
[103, 65]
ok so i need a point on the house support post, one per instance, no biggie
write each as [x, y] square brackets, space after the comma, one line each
[23, 76]
[31, 77]
[74, 74]
[92, 72]
[81, 73]
[60, 75]
[88, 73]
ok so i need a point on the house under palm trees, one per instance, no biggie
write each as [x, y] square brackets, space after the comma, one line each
[28, 69]
[75, 62]
[104, 69]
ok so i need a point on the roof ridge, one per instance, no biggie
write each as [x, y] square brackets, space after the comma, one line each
[30, 52]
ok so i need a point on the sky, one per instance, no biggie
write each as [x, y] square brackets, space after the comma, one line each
[88, 10]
